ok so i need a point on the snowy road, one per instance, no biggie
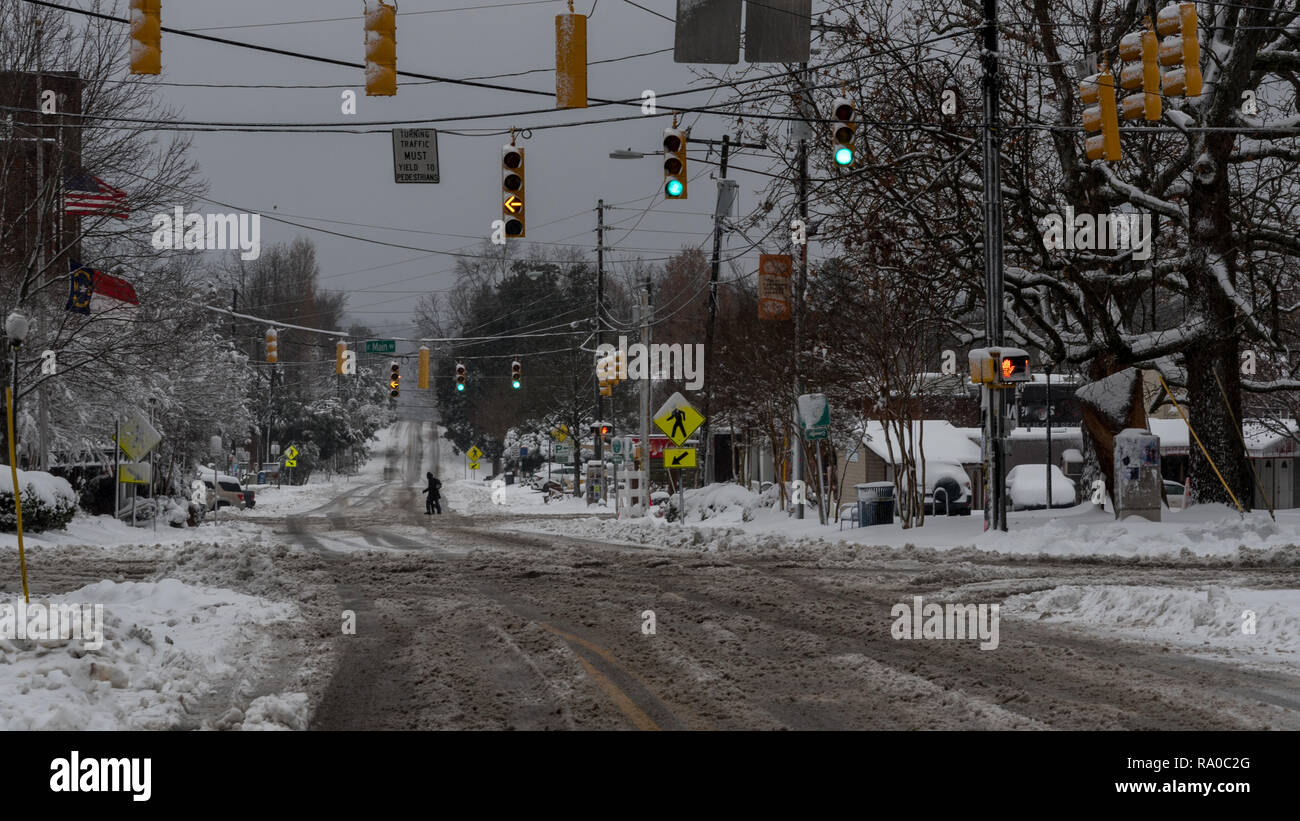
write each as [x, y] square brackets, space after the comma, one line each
[464, 623]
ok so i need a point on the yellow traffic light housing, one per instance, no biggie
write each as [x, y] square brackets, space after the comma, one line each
[512, 190]
[422, 369]
[272, 345]
[381, 49]
[340, 348]
[674, 164]
[1103, 117]
[1177, 24]
[842, 110]
[1140, 52]
[146, 36]
[570, 60]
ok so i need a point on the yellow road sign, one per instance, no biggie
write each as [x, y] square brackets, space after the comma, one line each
[291, 453]
[561, 433]
[474, 453]
[678, 418]
[679, 457]
[473, 465]
[291, 463]
[513, 204]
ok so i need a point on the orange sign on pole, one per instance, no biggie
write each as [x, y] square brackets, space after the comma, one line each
[774, 272]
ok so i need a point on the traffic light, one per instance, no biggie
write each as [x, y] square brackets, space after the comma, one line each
[394, 379]
[842, 110]
[620, 366]
[1103, 117]
[461, 378]
[1177, 24]
[422, 371]
[512, 190]
[516, 375]
[381, 49]
[674, 164]
[1013, 366]
[340, 348]
[272, 345]
[1140, 53]
[570, 60]
[146, 36]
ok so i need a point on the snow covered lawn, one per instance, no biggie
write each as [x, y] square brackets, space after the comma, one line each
[166, 644]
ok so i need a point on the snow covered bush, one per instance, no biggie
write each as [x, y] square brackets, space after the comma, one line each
[49, 502]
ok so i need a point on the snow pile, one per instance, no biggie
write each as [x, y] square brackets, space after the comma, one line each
[166, 644]
[721, 502]
[105, 531]
[1217, 617]
[45, 487]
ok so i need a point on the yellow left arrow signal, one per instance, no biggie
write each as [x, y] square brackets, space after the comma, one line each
[513, 204]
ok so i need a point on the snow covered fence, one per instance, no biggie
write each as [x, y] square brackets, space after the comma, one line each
[49, 502]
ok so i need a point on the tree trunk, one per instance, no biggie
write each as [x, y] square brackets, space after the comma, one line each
[1213, 423]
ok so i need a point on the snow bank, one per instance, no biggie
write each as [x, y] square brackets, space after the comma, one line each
[164, 645]
[107, 532]
[1211, 617]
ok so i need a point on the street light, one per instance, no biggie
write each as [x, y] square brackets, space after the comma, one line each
[16, 328]
[627, 154]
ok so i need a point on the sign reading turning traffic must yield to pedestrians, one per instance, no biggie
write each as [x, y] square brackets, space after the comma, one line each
[678, 419]
[415, 155]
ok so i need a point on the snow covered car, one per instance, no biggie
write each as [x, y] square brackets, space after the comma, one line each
[1027, 488]
[230, 492]
[1175, 493]
[950, 483]
[947, 489]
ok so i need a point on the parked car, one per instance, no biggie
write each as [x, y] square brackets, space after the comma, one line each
[1174, 493]
[229, 492]
[950, 482]
[1027, 488]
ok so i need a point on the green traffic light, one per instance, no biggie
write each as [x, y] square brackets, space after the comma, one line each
[844, 155]
[673, 188]
[515, 383]
[460, 387]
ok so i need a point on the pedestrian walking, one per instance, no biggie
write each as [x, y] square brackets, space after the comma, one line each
[433, 496]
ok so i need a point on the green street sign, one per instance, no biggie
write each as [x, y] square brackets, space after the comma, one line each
[381, 346]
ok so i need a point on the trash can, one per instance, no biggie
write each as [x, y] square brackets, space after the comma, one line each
[510, 478]
[875, 503]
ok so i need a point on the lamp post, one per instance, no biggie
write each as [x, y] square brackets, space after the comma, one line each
[1047, 369]
[16, 327]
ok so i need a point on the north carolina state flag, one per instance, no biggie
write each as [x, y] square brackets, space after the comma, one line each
[115, 288]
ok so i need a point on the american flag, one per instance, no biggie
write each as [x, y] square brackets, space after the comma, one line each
[84, 193]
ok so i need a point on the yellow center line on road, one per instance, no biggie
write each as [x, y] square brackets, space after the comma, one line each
[635, 714]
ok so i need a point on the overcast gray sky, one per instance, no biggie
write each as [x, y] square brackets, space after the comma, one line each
[349, 177]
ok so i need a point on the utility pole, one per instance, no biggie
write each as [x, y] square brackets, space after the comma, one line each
[600, 325]
[995, 506]
[797, 438]
[706, 476]
[706, 440]
[645, 403]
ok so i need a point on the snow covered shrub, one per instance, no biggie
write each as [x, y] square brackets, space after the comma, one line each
[49, 502]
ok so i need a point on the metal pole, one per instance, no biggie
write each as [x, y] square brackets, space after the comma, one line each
[644, 492]
[600, 324]
[153, 481]
[117, 463]
[1049, 437]
[796, 473]
[706, 440]
[995, 509]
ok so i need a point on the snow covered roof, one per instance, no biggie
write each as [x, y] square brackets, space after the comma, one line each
[1261, 440]
[943, 441]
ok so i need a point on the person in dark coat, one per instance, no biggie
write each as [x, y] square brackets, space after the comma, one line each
[432, 496]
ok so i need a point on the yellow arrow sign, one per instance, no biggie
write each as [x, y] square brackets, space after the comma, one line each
[513, 203]
[473, 465]
[291, 463]
[679, 457]
[679, 422]
[474, 453]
